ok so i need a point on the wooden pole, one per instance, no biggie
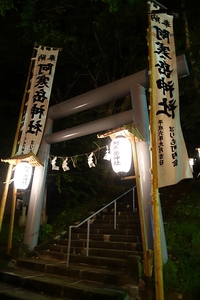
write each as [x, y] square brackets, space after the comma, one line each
[12, 219]
[158, 265]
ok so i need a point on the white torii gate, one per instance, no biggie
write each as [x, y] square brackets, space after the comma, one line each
[135, 85]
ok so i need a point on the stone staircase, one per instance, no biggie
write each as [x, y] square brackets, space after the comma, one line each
[112, 270]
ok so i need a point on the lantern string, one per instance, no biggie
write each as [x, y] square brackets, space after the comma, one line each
[93, 155]
[65, 164]
[107, 154]
[90, 160]
[53, 163]
[98, 150]
[74, 161]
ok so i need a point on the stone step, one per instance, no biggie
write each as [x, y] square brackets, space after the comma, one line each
[120, 263]
[60, 287]
[119, 220]
[104, 235]
[99, 252]
[10, 291]
[108, 262]
[92, 274]
[79, 271]
[82, 271]
[104, 225]
[121, 207]
[95, 244]
[117, 263]
[105, 252]
[120, 215]
[109, 230]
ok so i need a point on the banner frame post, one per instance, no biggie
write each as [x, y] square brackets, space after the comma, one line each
[158, 265]
[14, 147]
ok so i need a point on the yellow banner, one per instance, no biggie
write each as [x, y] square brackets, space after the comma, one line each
[36, 107]
[172, 158]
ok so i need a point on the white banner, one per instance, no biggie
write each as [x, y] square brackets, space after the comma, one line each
[172, 158]
[36, 110]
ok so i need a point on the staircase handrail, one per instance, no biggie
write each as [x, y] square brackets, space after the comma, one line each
[88, 223]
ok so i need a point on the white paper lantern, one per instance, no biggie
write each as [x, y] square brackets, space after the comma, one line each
[22, 177]
[121, 155]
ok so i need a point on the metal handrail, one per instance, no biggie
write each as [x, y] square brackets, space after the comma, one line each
[88, 222]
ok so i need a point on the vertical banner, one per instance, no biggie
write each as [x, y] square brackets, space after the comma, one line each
[36, 107]
[172, 158]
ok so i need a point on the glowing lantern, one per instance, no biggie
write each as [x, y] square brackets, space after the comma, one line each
[121, 155]
[22, 177]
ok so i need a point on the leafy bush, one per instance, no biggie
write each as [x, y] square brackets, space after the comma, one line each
[45, 232]
[182, 271]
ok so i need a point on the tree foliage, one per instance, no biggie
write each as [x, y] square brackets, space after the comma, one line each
[101, 41]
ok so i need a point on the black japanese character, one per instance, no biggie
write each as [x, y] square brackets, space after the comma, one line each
[165, 86]
[155, 18]
[171, 128]
[171, 135]
[162, 34]
[41, 57]
[34, 128]
[168, 109]
[42, 81]
[45, 68]
[173, 142]
[37, 111]
[174, 155]
[32, 145]
[51, 57]
[163, 50]
[39, 96]
[160, 136]
[166, 23]
[175, 163]
[173, 148]
[163, 68]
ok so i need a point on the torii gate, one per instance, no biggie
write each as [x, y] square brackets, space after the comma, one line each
[136, 85]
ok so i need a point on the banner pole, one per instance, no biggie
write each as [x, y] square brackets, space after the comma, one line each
[158, 265]
[14, 147]
[12, 220]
